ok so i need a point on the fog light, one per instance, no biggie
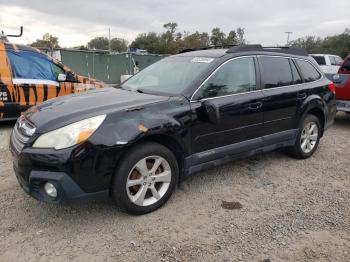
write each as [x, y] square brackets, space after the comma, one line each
[50, 189]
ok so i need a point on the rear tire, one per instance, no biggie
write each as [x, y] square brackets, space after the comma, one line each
[308, 137]
[145, 179]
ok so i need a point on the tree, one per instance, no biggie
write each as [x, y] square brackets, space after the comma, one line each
[217, 37]
[311, 43]
[119, 45]
[171, 41]
[337, 44]
[232, 38]
[99, 42]
[149, 42]
[240, 33]
[47, 42]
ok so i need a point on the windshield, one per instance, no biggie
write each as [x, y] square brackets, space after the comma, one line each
[170, 75]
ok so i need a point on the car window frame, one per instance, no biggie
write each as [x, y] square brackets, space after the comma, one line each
[277, 56]
[301, 72]
[19, 80]
[257, 79]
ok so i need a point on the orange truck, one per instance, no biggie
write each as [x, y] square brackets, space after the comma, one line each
[29, 77]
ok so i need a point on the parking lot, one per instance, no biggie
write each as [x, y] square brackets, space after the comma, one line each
[290, 210]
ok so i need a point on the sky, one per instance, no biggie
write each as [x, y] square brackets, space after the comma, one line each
[75, 22]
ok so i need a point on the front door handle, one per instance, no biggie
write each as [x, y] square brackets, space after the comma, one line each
[301, 96]
[256, 105]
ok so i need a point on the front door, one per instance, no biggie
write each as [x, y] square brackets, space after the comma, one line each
[232, 89]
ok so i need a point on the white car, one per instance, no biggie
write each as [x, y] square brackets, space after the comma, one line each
[329, 63]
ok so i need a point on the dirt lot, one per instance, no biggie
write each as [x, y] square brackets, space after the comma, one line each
[291, 210]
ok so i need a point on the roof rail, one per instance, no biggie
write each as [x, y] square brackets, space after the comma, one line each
[206, 48]
[277, 49]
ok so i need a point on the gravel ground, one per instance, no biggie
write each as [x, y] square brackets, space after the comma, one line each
[288, 209]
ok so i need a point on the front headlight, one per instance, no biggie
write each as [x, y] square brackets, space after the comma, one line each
[69, 135]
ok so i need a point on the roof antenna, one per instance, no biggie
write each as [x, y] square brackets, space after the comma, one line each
[3, 36]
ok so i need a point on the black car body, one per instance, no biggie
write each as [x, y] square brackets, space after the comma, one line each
[202, 126]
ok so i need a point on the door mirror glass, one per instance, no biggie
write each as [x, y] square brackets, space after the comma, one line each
[61, 77]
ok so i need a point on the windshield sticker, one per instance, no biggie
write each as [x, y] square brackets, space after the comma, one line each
[202, 60]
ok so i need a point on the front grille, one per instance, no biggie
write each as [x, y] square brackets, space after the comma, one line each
[21, 134]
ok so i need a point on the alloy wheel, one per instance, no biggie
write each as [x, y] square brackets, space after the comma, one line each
[309, 137]
[148, 181]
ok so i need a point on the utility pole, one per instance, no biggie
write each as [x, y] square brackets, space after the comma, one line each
[109, 39]
[288, 36]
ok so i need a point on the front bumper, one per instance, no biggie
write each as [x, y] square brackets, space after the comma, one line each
[80, 172]
[67, 189]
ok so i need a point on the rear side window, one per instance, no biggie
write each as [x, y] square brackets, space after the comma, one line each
[30, 65]
[319, 59]
[308, 71]
[276, 71]
[296, 76]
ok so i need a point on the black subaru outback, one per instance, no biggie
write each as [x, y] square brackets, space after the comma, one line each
[181, 115]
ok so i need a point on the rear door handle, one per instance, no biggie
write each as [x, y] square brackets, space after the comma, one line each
[256, 105]
[301, 96]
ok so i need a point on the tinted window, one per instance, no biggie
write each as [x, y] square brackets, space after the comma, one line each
[332, 59]
[276, 71]
[320, 60]
[30, 65]
[296, 76]
[308, 71]
[236, 76]
[346, 66]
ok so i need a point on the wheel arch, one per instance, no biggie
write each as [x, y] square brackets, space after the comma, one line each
[318, 111]
[167, 141]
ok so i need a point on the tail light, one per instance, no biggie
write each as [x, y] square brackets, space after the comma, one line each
[331, 87]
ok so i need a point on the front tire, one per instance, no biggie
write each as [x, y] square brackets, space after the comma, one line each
[145, 179]
[308, 137]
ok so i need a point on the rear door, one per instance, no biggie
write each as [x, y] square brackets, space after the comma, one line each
[282, 94]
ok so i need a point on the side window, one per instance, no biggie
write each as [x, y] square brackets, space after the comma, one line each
[30, 65]
[346, 65]
[308, 71]
[57, 70]
[234, 77]
[332, 59]
[276, 71]
[320, 59]
[296, 76]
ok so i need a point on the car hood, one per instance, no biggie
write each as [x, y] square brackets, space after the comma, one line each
[65, 110]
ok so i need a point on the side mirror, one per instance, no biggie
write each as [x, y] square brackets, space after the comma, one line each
[70, 77]
[212, 112]
[61, 77]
